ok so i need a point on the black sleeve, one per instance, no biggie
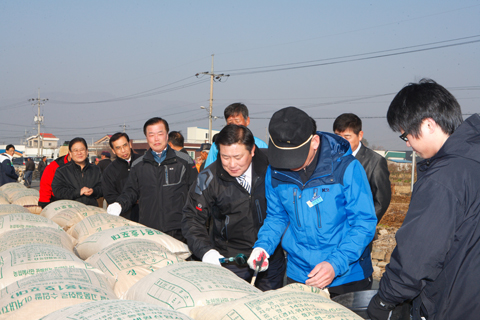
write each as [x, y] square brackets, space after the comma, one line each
[196, 212]
[97, 183]
[61, 186]
[109, 189]
[381, 190]
[423, 241]
[129, 195]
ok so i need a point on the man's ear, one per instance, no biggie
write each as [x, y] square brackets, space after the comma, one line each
[360, 135]
[253, 151]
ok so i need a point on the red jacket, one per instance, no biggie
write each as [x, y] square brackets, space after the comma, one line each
[46, 193]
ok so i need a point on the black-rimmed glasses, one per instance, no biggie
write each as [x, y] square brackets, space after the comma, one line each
[404, 136]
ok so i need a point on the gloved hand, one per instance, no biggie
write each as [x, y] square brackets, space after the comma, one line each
[114, 209]
[255, 256]
[212, 256]
[378, 309]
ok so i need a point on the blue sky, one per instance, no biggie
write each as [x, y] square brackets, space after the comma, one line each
[81, 52]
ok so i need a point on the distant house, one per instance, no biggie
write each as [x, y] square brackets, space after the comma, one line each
[104, 141]
[44, 145]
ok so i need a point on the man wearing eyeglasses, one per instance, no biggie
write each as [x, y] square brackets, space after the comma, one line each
[436, 262]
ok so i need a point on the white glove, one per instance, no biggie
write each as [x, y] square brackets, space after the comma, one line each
[255, 256]
[114, 209]
[212, 256]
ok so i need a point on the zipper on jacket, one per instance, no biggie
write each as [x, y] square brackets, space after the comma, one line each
[259, 211]
[296, 206]
[319, 218]
[227, 220]
[166, 175]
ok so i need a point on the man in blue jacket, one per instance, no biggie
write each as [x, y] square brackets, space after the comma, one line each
[319, 204]
[7, 171]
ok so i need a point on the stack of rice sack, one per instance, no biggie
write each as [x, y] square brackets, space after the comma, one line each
[39, 273]
[67, 213]
[16, 193]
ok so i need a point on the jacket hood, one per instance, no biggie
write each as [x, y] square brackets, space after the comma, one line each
[333, 144]
[464, 142]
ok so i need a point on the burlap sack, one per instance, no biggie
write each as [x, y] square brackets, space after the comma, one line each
[283, 303]
[187, 285]
[12, 208]
[67, 218]
[116, 309]
[16, 221]
[97, 223]
[129, 261]
[53, 208]
[103, 239]
[39, 235]
[42, 294]
[31, 259]
[12, 185]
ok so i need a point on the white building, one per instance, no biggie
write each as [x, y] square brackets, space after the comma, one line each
[45, 146]
[198, 135]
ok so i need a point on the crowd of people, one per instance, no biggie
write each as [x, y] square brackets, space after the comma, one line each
[304, 207]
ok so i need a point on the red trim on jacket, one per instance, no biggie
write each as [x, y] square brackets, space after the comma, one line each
[47, 178]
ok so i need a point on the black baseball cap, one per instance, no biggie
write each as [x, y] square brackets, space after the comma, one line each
[291, 131]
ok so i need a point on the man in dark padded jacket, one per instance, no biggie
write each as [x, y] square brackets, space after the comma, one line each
[159, 181]
[232, 192]
[115, 176]
[436, 262]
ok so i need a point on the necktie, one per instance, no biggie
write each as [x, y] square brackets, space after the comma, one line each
[243, 182]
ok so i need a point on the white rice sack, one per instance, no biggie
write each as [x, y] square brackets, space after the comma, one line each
[31, 259]
[12, 185]
[15, 194]
[12, 208]
[303, 287]
[97, 223]
[3, 198]
[15, 221]
[69, 217]
[129, 261]
[283, 303]
[187, 285]
[116, 309]
[44, 293]
[103, 239]
[28, 199]
[53, 208]
[39, 235]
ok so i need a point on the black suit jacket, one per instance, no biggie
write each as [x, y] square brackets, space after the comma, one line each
[377, 172]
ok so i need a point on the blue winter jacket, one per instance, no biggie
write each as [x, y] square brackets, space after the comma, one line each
[330, 218]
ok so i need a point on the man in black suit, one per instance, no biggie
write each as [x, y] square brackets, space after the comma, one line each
[349, 127]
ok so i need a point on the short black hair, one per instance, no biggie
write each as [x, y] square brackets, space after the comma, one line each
[419, 101]
[153, 121]
[232, 134]
[176, 138]
[75, 140]
[44, 157]
[347, 121]
[9, 146]
[117, 136]
[235, 109]
[314, 124]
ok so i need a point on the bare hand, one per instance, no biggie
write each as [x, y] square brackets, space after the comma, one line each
[321, 276]
[86, 191]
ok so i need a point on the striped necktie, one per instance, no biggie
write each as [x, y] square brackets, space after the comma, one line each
[243, 182]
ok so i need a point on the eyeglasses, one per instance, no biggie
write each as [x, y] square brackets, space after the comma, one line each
[79, 150]
[404, 136]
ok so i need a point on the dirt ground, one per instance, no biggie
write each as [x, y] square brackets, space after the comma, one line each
[396, 211]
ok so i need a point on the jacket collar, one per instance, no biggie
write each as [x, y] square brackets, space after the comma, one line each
[259, 166]
[170, 158]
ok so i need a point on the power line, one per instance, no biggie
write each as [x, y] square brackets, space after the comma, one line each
[273, 69]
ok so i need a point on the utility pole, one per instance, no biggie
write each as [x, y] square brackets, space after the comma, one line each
[124, 126]
[213, 77]
[38, 118]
